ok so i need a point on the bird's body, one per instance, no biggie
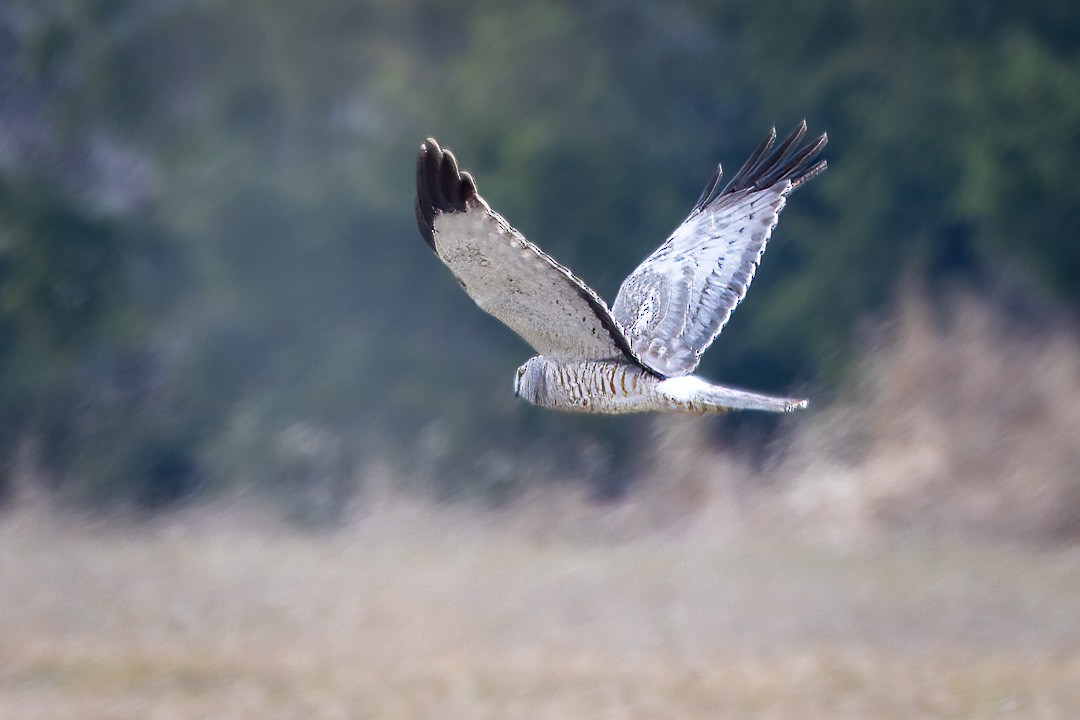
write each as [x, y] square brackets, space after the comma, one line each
[617, 388]
[638, 356]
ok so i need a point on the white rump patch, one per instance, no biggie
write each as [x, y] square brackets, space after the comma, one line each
[692, 389]
[683, 389]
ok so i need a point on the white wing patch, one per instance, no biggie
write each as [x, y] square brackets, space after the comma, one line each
[516, 282]
[679, 299]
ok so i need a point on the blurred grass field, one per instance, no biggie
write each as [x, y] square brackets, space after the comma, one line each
[423, 612]
[910, 554]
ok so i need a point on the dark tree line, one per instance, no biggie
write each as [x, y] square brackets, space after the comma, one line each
[206, 239]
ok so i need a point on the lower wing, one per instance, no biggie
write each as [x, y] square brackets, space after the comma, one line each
[509, 277]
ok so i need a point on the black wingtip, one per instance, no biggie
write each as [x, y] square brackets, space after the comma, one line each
[788, 161]
[709, 192]
[440, 187]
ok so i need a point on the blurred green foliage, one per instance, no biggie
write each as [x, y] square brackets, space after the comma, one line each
[206, 234]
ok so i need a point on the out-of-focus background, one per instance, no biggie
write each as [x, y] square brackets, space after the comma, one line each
[259, 455]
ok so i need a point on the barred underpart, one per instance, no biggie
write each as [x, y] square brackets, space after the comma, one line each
[620, 388]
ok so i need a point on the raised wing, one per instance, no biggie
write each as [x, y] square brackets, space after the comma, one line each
[676, 302]
[507, 276]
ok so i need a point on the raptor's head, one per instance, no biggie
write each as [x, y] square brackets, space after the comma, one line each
[530, 383]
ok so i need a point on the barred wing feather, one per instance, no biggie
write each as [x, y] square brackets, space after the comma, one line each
[678, 300]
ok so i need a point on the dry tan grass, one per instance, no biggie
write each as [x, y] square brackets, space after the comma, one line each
[967, 421]
[963, 421]
[706, 594]
[415, 612]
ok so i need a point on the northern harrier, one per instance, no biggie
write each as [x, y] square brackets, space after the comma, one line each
[638, 356]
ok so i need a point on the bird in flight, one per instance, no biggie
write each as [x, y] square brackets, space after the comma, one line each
[639, 355]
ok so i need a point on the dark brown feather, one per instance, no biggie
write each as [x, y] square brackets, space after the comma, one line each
[768, 166]
[440, 187]
[752, 161]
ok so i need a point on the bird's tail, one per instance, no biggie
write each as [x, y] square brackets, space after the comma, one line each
[691, 393]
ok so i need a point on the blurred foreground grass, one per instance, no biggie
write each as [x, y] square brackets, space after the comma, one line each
[417, 612]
